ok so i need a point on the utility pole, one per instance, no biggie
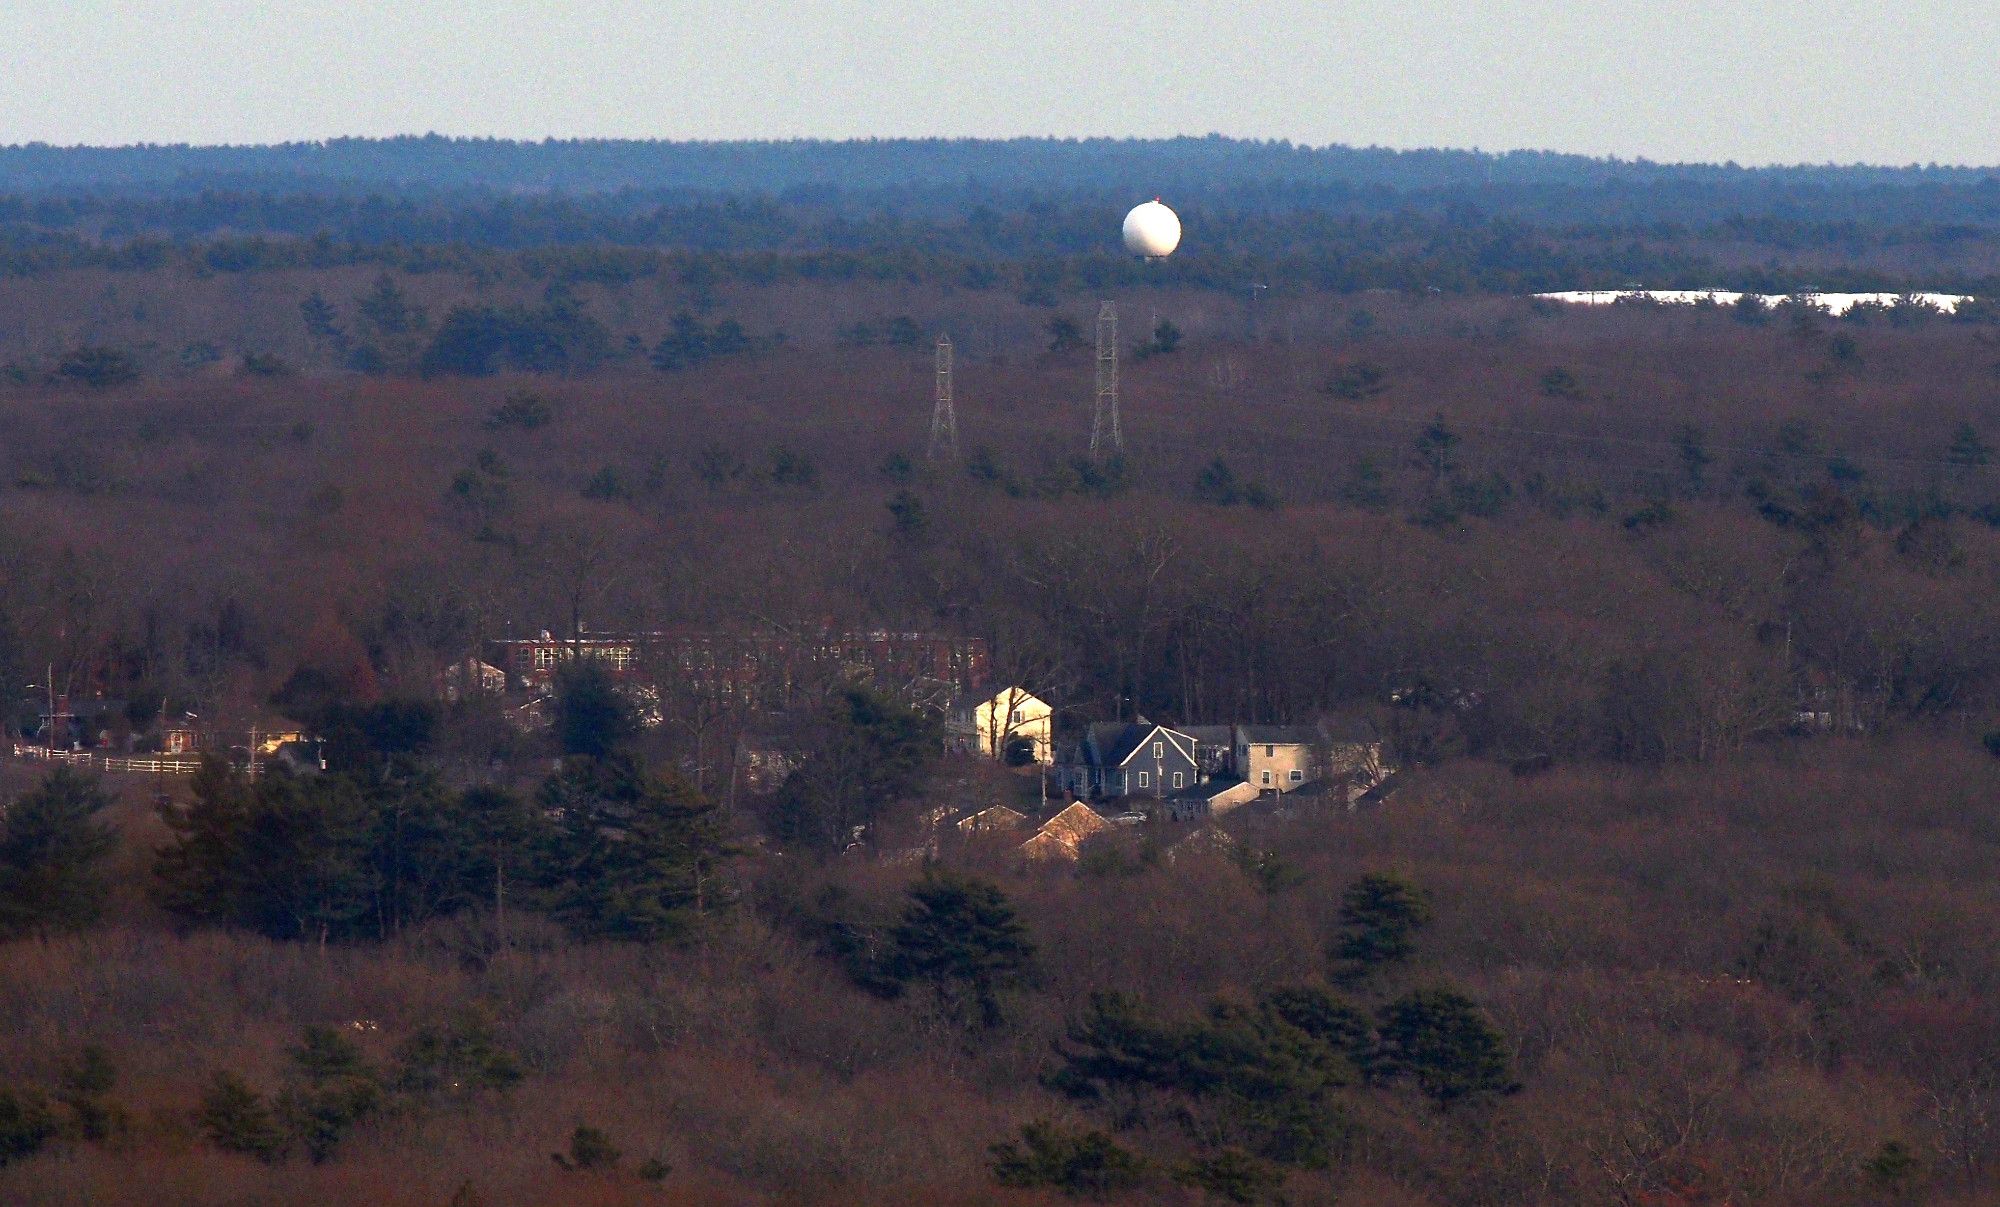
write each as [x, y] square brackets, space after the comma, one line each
[1105, 435]
[944, 421]
[160, 758]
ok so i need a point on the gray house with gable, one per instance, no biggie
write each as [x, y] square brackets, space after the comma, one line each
[1136, 759]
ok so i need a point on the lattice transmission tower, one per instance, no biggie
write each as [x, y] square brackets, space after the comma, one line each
[944, 421]
[1105, 434]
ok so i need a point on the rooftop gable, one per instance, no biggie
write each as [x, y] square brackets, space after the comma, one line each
[1140, 737]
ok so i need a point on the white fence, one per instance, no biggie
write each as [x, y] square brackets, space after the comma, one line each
[148, 765]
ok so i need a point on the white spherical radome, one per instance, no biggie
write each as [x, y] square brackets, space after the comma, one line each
[1152, 230]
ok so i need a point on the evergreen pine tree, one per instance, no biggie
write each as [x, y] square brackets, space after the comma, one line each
[1380, 915]
[304, 870]
[961, 937]
[52, 850]
[458, 1059]
[1231, 1175]
[869, 751]
[422, 852]
[86, 1080]
[629, 854]
[1080, 1164]
[1440, 1038]
[592, 719]
[1968, 448]
[334, 1089]
[503, 833]
[236, 1120]
[589, 1148]
[26, 1125]
[196, 874]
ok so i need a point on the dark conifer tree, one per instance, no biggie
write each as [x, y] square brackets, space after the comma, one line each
[197, 874]
[629, 854]
[961, 937]
[1380, 915]
[52, 851]
[503, 834]
[869, 751]
[1441, 1040]
[592, 718]
[307, 872]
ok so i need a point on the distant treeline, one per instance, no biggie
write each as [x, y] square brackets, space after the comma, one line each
[606, 165]
[1029, 215]
[1036, 250]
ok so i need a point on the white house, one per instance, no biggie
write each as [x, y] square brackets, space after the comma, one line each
[1012, 724]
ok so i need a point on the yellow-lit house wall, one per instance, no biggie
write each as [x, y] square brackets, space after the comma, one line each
[1010, 715]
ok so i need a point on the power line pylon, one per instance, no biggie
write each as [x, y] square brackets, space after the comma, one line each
[1105, 434]
[944, 421]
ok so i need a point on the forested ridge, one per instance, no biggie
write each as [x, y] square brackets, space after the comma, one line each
[437, 161]
[1020, 215]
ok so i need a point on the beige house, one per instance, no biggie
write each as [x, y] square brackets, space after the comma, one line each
[1063, 836]
[1285, 758]
[1012, 724]
[1276, 758]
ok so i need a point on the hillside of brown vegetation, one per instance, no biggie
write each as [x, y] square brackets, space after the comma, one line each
[1681, 628]
[1733, 983]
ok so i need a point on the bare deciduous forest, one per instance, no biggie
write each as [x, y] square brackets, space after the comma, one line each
[1677, 624]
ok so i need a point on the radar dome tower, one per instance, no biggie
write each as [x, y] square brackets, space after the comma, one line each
[1152, 230]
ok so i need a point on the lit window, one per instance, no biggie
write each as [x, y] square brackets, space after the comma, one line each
[1144, 780]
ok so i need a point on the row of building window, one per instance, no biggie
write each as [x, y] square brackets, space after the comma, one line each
[621, 657]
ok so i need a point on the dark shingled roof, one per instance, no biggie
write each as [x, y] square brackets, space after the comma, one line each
[1207, 789]
[1115, 741]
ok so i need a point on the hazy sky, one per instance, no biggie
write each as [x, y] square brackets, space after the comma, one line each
[1752, 80]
